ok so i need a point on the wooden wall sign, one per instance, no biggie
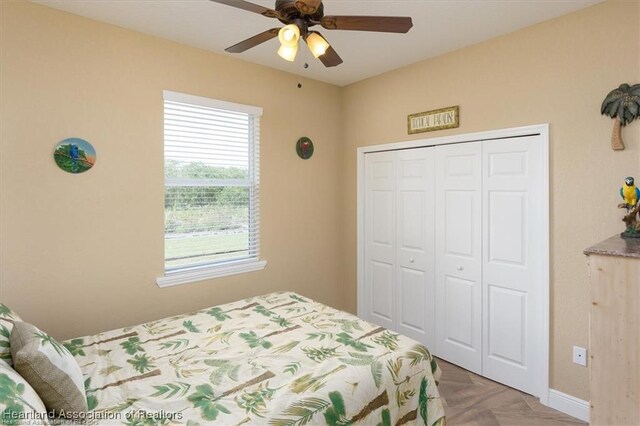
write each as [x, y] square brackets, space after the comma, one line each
[438, 119]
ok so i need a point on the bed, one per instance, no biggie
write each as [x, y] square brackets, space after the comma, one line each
[279, 359]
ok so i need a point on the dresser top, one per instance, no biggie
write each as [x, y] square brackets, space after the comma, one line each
[617, 246]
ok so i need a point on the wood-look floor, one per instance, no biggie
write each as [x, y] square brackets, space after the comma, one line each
[470, 399]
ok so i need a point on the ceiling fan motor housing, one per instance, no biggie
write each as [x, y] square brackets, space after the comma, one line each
[289, 14]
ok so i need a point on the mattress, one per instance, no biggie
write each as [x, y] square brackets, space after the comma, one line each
[279, 359]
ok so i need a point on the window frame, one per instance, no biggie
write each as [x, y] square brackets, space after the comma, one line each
[192, 273]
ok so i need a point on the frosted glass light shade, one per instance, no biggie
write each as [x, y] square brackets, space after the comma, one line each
[288, 53]
[317, 44]
[289, 35]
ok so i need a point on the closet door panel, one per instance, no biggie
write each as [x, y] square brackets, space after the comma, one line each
[459, 311]
[458, 254]
[381, 274]
[512, 225]
[415, 244]
[380, 246]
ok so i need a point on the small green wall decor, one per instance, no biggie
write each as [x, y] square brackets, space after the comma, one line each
[304, 148]
[74, 155]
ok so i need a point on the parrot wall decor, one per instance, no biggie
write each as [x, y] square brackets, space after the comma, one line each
[74, 155]
[623, 105]
[631, 195]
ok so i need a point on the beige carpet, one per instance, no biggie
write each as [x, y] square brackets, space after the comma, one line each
[473, 400]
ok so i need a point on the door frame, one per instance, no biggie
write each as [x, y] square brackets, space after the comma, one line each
[542, 130]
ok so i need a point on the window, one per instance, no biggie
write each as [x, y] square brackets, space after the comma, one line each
[211, 178]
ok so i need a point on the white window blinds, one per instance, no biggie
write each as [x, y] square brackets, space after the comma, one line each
[211, 163]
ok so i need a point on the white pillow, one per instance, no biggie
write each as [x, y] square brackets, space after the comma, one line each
[7, 318]
[19, 403]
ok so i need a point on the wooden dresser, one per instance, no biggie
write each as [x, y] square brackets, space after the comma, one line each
[614, 332]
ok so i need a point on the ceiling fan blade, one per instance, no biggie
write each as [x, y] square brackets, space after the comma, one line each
[330, 58]
[386, 24]
[245, 5]
[307, 7]
[253, 41]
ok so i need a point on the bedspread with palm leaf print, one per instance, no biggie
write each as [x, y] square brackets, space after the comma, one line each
[279, 359]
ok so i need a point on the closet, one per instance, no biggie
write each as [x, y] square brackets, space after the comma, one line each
[452, 244]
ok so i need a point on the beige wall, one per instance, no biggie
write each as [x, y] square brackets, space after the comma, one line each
[90, 246]
[557, 72]
[80, 254]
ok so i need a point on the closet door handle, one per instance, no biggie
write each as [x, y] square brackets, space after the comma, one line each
[460, 268]
[411, 260]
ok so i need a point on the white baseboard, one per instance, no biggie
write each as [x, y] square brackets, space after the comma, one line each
[568, 404]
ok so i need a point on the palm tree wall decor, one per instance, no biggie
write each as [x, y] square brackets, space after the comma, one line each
[623, 105]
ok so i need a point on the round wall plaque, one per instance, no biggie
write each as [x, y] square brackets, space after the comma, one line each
[74, 155]
[304, 148]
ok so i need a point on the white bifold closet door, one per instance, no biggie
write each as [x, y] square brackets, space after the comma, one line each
[380, 235]
[489, 225]
[399, 241]
[511, 268]
[459, 254]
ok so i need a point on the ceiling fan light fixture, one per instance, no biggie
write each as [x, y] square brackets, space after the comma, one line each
[288, 53]
[317, 44]
[298, 16]
[289, 35]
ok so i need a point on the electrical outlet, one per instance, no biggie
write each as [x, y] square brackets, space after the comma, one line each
[580, 356]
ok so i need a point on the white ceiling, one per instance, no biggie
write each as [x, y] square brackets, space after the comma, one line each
[440, 26]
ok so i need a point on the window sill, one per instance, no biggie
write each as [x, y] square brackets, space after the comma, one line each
[186, 277]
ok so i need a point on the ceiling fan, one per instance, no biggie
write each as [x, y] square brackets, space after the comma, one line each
[299, 16]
